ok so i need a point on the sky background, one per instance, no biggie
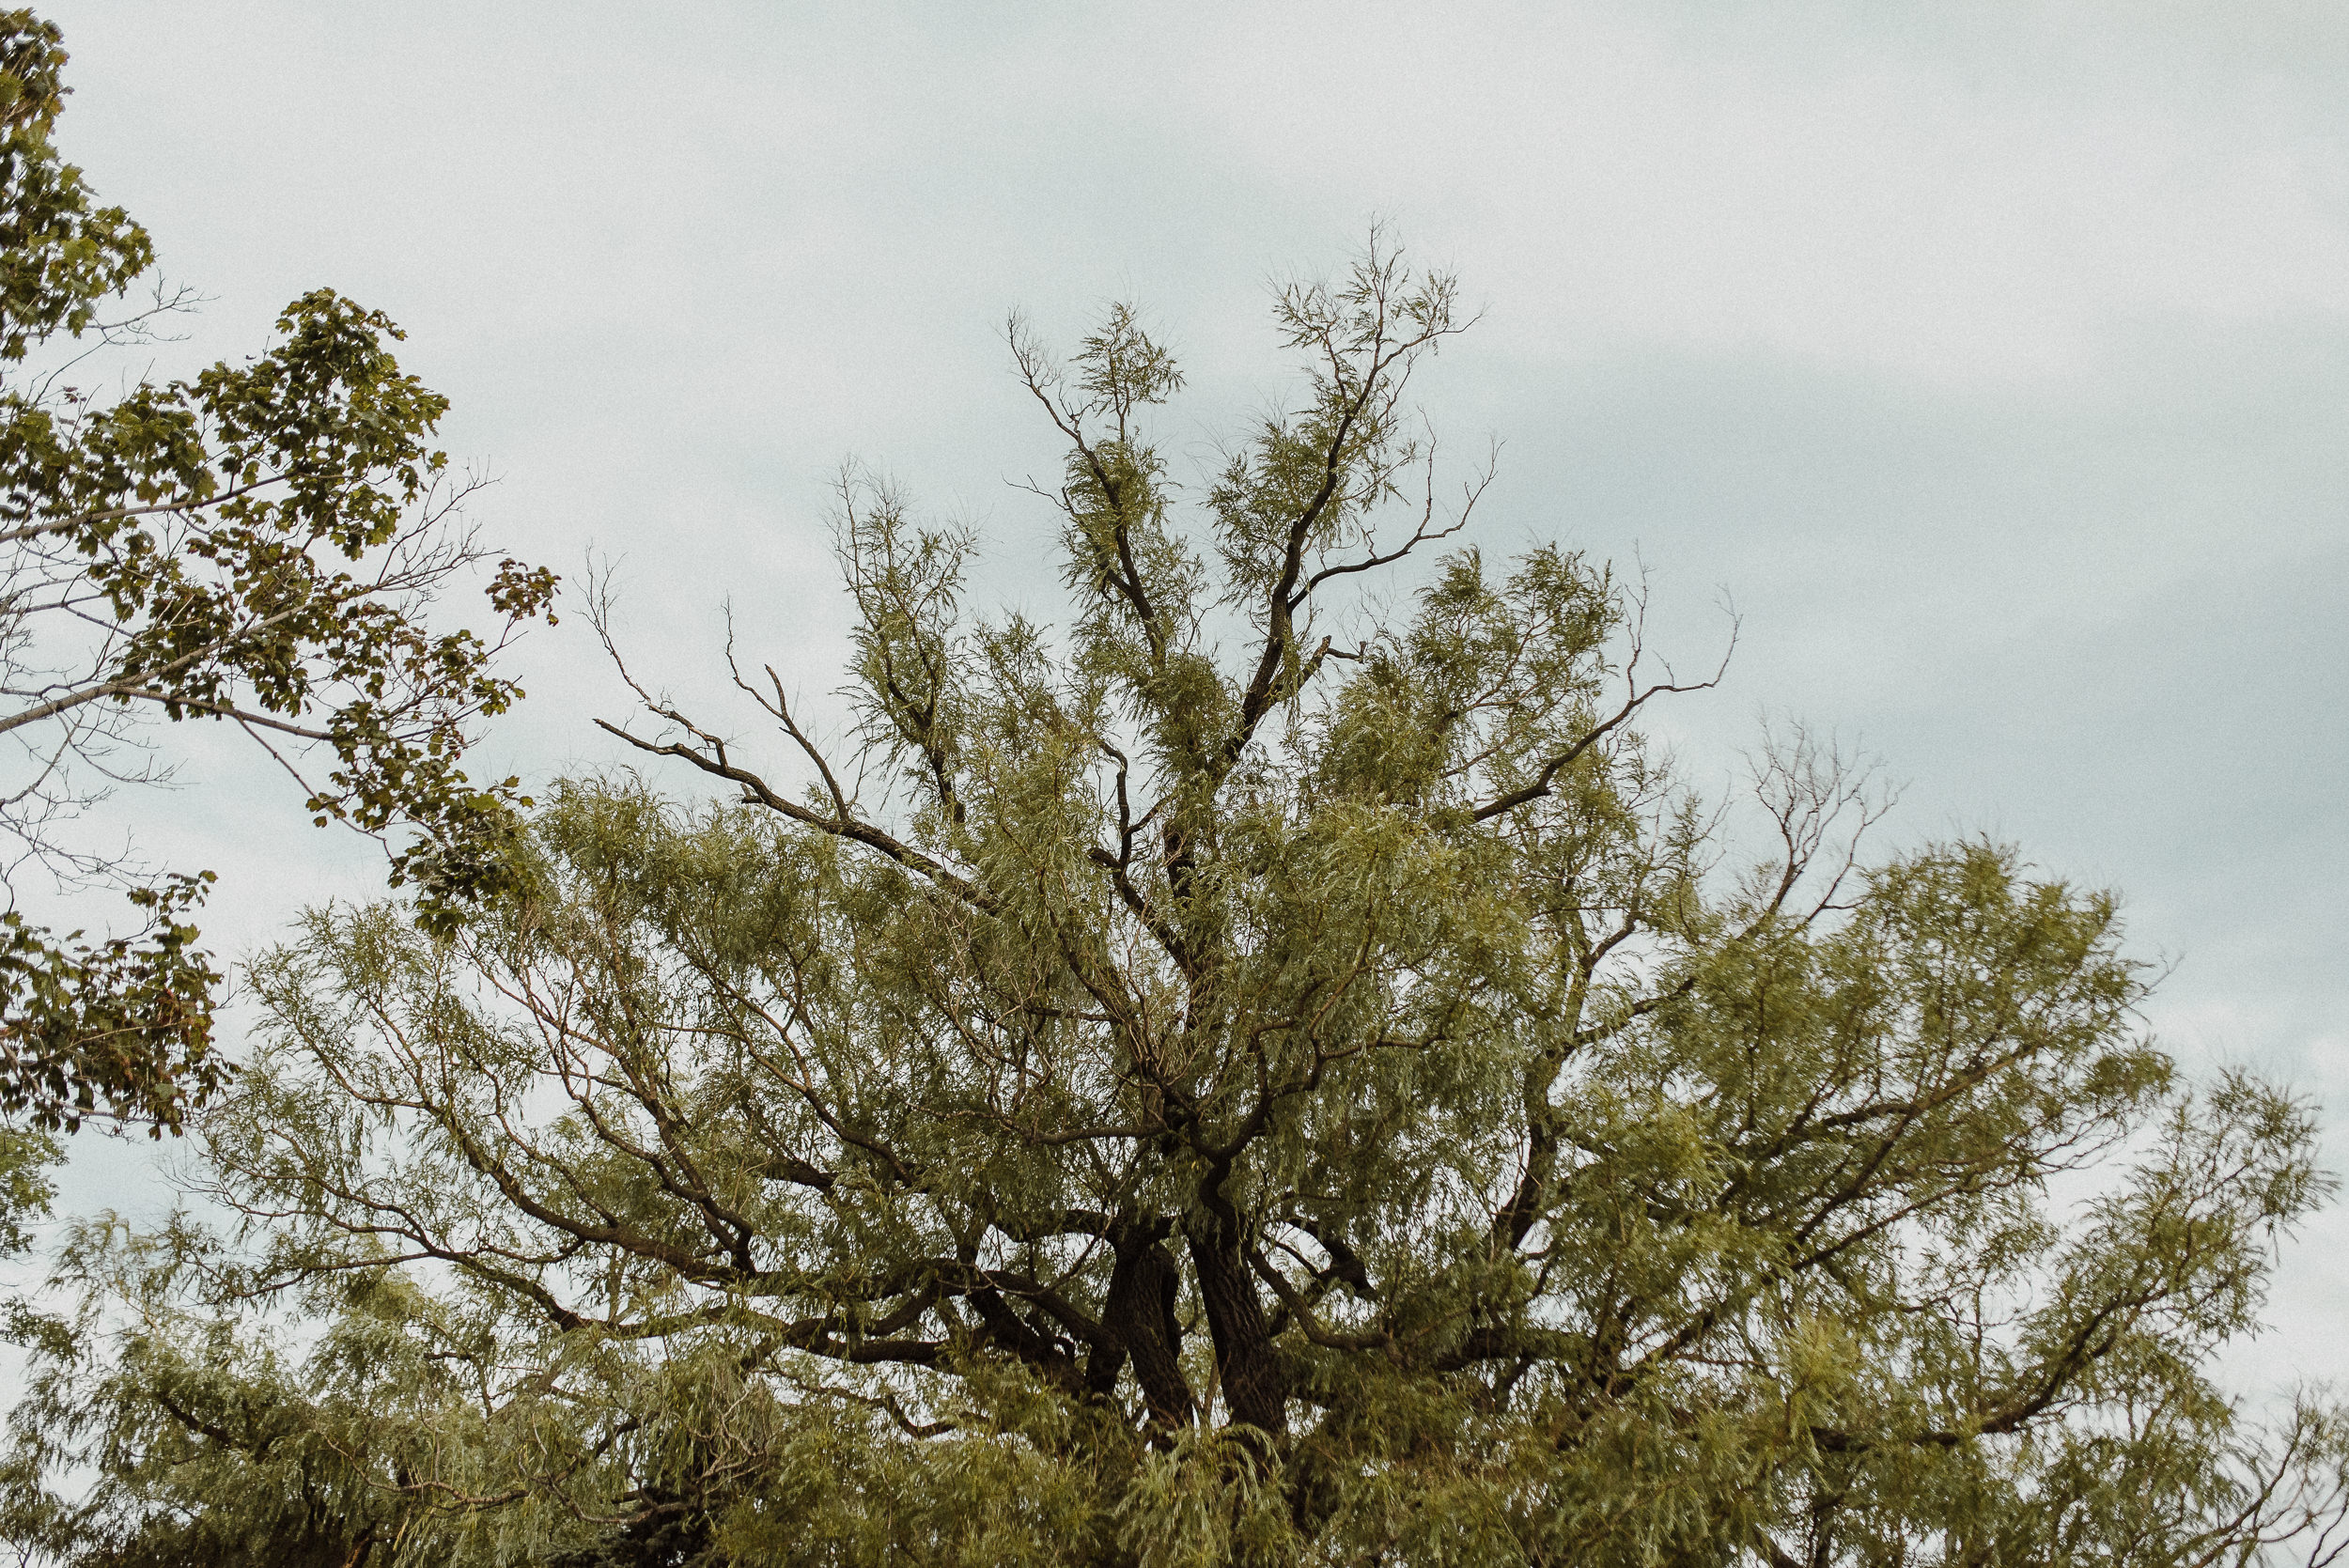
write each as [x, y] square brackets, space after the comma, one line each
[1994, 358]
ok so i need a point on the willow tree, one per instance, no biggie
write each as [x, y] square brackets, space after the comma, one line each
[1229, 1077]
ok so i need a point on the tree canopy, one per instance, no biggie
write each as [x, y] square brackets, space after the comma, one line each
[1236, 1075]
[259, 546]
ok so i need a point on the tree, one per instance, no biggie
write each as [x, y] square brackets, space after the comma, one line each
[1339, 1102]
[259, 546]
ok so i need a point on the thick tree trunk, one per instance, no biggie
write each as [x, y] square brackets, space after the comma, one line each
[1138, 1321]
[1256, 1384]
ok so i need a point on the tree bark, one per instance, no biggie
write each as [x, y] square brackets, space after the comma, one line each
[1138, 1321]
[1254, 1382]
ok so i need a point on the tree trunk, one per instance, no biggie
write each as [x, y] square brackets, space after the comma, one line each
[1255, 1384]
[1138, 1320]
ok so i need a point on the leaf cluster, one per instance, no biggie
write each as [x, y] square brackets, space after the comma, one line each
[260, 545]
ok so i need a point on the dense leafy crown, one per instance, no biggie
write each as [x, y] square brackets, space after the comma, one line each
[255, 546]
[1258, 1081]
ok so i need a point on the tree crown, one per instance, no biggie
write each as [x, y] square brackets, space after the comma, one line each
[1327, 1101]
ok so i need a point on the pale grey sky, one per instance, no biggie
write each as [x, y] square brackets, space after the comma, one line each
[1995, 357]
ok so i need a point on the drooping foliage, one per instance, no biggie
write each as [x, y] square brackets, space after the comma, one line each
[256, 546]
[1233, 1077]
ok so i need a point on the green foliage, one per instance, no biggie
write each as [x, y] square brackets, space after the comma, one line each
[24, 1189]
[60, 255]
[258, 546]
[128, 1018]
[1339, 1102]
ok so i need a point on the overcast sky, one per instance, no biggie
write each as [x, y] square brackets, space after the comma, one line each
[1994, 357]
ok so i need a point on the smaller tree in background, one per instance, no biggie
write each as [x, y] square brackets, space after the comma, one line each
[260, 546]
